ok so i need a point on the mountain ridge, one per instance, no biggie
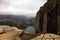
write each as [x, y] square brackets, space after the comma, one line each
[16, 17]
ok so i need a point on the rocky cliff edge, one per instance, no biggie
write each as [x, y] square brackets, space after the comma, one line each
[13, 33]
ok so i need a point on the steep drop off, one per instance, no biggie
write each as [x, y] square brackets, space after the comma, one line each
[48, 18]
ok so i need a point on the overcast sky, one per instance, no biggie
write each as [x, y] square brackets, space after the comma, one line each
[20, 7]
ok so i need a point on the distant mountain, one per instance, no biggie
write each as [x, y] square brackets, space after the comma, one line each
[16, 17]
[20, 21]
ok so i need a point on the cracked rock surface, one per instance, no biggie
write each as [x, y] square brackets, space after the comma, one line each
[13, 33]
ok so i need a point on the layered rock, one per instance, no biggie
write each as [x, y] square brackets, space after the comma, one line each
[48, 18]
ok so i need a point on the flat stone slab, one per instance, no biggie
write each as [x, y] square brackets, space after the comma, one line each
[47, 36]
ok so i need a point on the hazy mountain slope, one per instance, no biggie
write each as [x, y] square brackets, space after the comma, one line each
[16, 17]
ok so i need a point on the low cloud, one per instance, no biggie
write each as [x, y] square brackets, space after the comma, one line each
[18, 7]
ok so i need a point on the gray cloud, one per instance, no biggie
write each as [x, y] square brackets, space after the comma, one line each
[28, 7]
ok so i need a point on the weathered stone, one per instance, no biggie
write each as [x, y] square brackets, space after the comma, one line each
[13, 33]
[10, 33]
[47, 37]
[48, 18]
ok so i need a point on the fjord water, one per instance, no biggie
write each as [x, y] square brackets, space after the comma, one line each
[30, 29]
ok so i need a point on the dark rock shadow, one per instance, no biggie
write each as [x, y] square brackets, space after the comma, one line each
[28, 36]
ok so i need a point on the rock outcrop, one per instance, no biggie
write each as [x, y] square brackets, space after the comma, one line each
[47, 36]
[13, 33]
[10, 33]
[48, 18]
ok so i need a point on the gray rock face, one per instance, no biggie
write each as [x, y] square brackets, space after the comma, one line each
[48, 18]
